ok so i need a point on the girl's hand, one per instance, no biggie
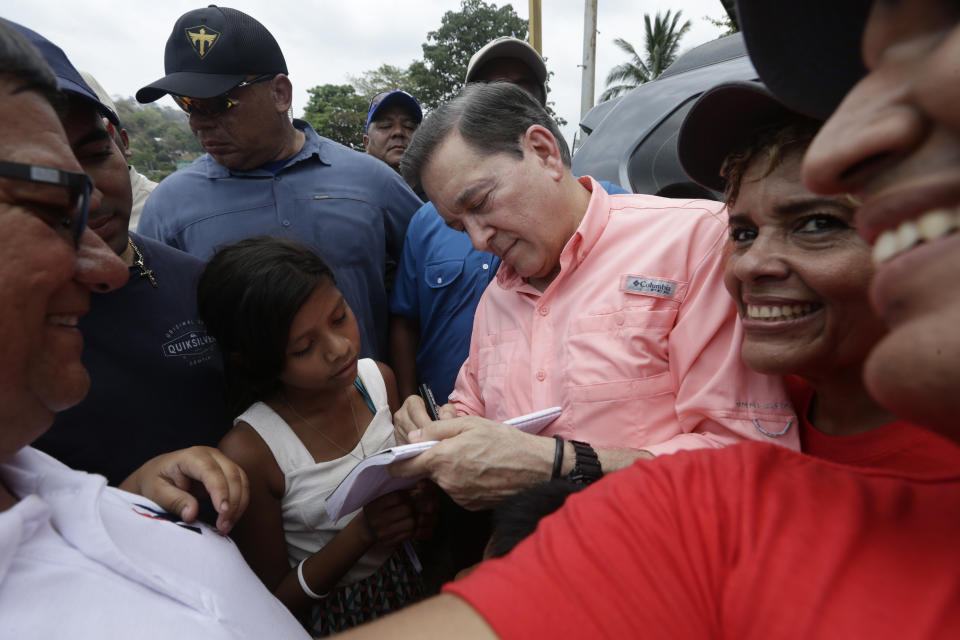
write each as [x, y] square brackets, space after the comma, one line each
[390, 519]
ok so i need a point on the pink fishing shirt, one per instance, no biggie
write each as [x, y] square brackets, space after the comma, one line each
[636, 338]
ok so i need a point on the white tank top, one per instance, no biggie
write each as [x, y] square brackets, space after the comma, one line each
[306, 526]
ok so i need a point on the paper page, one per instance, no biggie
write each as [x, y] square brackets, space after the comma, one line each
[537, 421]
[370, 479]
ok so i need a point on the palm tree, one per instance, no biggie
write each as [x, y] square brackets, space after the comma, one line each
[662, 44]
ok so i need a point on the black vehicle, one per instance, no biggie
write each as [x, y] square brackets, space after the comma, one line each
[632, 140]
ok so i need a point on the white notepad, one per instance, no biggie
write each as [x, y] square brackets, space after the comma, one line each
[370, 479]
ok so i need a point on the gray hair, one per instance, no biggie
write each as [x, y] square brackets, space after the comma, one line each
[491, 117]
[19, 58]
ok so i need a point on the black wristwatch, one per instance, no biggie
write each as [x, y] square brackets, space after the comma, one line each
[586, 469]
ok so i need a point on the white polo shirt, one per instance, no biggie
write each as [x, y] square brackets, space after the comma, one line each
[79, 559]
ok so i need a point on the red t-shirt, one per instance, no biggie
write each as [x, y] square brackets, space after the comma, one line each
[751, 541]
[898, 445]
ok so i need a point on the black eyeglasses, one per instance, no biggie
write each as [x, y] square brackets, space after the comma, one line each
[217, 105]
[79, 184]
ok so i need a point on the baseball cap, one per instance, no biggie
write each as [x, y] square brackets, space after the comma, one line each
[806, 51]
[388, 98]
[98, 89]
[68, 78]
[212, 50]
[722, 121]
[508, 47]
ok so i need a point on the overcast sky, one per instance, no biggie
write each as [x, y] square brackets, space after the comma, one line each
[121, 42]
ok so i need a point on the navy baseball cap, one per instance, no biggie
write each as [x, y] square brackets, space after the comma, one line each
[68, 78]
[806, 51]
[388, 98]
[723, 120]
[212, 50]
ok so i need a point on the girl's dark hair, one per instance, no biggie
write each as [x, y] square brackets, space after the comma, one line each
[247, 296]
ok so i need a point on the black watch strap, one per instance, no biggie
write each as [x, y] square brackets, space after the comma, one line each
[586, 469]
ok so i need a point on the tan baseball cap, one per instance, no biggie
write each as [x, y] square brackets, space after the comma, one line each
[509, 47]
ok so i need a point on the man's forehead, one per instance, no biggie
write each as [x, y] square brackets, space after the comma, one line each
[456, 172]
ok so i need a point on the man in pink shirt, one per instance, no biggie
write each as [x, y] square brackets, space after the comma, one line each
[612, 307]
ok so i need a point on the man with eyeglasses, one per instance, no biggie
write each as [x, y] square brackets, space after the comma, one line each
[76, 555]
[145, 346]
[263, 174]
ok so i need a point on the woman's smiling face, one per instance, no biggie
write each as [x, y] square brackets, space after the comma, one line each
[798, 273]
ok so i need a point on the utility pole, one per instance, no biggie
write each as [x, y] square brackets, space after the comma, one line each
[535, 25]
[589, 56]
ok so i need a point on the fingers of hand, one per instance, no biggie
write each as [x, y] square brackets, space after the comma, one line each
[224, 481]
[391, 518]
[448, 411]
[412, 416]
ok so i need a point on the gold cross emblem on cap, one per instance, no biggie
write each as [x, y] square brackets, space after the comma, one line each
[202, 39]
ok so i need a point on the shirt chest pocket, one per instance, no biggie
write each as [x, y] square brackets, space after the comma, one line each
[493, 358]
[347, 231]
[442, 275]
[627, 344]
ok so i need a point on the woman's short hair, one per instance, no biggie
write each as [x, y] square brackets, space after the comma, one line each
[248, 295]
[492, 117]
[770, 146]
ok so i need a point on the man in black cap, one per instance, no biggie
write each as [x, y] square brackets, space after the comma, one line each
[145, 345]
[263, 174]
[391, 121]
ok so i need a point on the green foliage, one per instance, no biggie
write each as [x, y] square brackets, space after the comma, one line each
[434, 79]
[448, 49]
[160, 138]
[337, 112]
[661, 47]
[726, 23]
[385, 78]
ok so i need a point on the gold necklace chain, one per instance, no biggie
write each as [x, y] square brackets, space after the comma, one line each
[356, 427]
[139, 264]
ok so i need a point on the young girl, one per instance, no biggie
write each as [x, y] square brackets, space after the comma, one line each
[310, 412]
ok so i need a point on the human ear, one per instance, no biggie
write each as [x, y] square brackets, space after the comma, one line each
[282, 90]
[125, 138]
[366, 142]
[540, 142]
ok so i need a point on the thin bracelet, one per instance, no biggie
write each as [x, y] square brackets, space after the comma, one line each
[303, 583]
[557, 458]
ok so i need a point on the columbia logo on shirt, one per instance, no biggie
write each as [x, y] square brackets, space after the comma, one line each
[649, 286]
